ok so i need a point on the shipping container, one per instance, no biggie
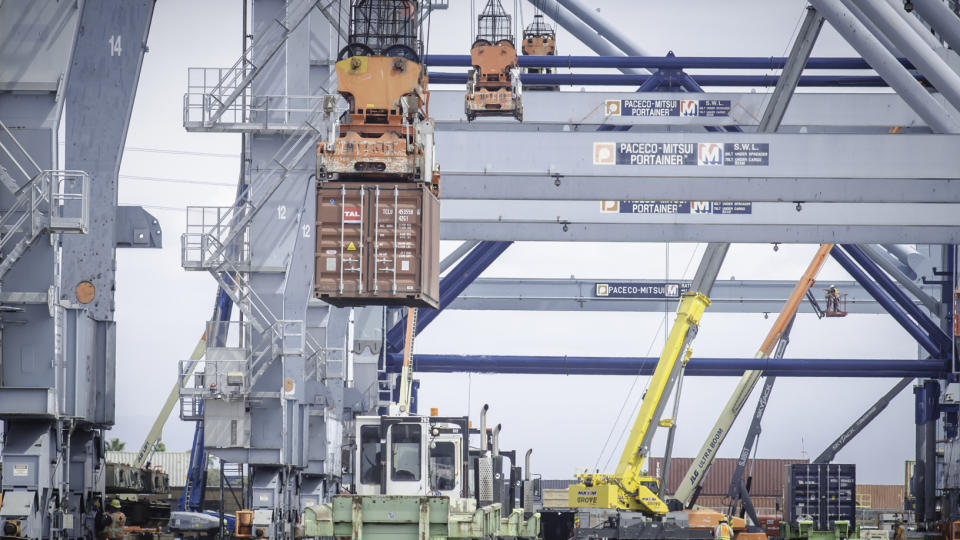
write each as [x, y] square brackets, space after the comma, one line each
[880, 497]
[767, 475]
[175, 464]
[377, 244]
[768, 506]
[556, 484]
[825, 492]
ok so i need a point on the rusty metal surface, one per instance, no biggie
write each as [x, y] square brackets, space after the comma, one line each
[383, 154]
[377, 244]
[539, 46]
[494, 61]
[375, 138]
[500, 101]
[490, 89]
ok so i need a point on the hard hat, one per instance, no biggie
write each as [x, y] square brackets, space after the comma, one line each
[724, 519]
[115, 504]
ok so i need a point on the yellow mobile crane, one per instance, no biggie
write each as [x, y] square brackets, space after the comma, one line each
[628, 488]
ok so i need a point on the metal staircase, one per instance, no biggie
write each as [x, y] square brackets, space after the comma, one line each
[234, 81]
[217, 240]
[55, 201]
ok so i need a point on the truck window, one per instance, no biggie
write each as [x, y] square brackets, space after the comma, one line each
[405, 452]
[443, 463]
[370, 455]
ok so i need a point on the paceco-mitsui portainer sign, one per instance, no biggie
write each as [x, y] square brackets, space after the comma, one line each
[699, 154]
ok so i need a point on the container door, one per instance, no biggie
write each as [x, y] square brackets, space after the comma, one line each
[396, 228]
[340, 246]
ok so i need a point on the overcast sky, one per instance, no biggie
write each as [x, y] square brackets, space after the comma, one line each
[162, 309]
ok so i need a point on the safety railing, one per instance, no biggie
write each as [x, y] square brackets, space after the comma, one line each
[330, 363]
[206, 231]
[250, 113]
[291, 337]
[55, 201]
[191, 408]
[224, 378]
[69, 197]
[226, 86]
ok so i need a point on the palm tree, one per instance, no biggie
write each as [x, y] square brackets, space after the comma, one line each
[115, 445]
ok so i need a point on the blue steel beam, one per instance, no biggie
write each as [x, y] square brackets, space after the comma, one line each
[884, 300]
[717, 367]
[462, 275]
[608, 79]
[662, 62]
[932, 329]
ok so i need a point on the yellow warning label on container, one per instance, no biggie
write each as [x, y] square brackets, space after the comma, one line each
[351, 247]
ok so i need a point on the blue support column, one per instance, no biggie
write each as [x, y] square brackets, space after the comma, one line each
[925, 471]
[888, 304]
[932, 329]
[611, 79]
[654, 63]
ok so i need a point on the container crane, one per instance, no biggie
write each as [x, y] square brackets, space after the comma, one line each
[493, 85]
[690, 485]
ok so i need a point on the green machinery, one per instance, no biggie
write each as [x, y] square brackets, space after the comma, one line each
[415, 477]
[805, 531]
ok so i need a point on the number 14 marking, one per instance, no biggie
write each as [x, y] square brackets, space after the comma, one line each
[116, 49]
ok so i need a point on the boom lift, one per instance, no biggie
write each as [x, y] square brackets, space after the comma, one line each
[406, 371]
[690, 485]
[493, 85]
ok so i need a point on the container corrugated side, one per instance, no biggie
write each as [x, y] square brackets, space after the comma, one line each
[175, 464]
[767, 475]
[880, 497]
[765, 506]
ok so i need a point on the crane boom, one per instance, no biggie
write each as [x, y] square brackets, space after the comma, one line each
[406, 372]
[831, 451]
[156, 431]
[627, 488]
[698, 469]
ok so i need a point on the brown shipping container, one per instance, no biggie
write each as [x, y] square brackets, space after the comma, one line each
[377, 244]
[768, 506]
[880, 497]
[767, 475]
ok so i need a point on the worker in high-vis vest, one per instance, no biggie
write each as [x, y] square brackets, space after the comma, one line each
[723, 531]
